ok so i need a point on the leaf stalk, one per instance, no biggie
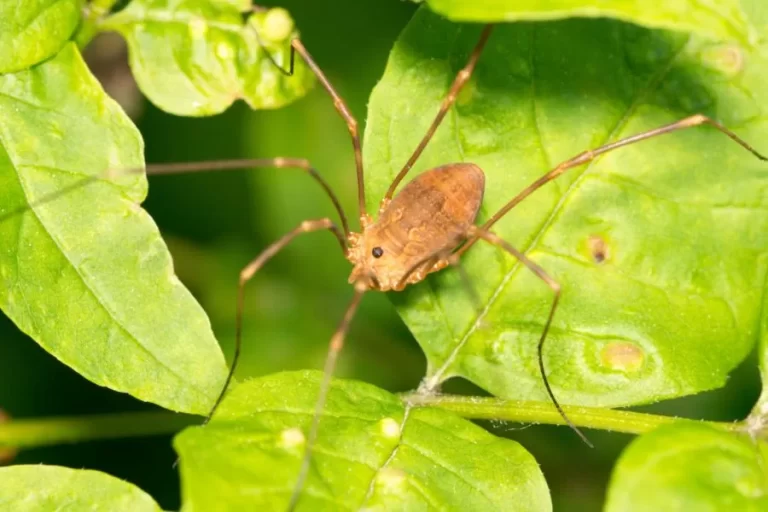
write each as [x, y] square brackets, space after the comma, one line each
[20, 434]
[53, 431]
[93, 12]
[520, 411]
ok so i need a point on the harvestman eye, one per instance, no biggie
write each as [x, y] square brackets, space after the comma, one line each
[377, 252]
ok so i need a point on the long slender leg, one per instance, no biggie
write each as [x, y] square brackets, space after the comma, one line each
[338, 103]
[588, 156]
[343, 110]
[190, 167]
[337, 343]
[247, 274]
[555, 287]
[444, 258]
[461, 78]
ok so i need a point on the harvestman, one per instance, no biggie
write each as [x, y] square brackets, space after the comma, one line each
[423, 228]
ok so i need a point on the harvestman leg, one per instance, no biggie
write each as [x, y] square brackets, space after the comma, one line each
[442, 259]
[192, 167]
[588, 156]
[494, 239]
[334, 348]
[247, 274]
[222, 165]
[338, 103]
[461, 78]
[580, 159]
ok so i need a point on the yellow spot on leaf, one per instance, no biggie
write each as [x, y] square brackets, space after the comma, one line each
[389, 428]
[224, 50]
[390, 478]
[198, 28]
[291, 438]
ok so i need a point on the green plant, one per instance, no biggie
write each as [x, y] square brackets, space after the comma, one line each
[672, 306]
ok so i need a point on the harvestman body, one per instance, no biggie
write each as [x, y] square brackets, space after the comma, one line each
[426, 227]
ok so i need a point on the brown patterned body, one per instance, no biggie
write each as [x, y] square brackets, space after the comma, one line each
[419, 228]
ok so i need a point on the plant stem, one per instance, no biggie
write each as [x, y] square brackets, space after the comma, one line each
[46, 432]
[536, 412]
[92, 14]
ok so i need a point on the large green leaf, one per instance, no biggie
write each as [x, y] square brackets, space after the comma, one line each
[35, 488]
[371, 453]
[723, 19]
[195, 57]
[682, 220]
[33, 30]
[87, 274]
[690, 466]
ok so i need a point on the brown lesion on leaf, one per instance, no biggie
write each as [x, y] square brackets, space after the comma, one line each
[598, 249]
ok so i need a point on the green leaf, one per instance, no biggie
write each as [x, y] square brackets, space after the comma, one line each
[672, 307]
[690, 467]
[34, 488]
[719, 19]
[195, 57]
[371, 453]
[87, 274]
[33, 30]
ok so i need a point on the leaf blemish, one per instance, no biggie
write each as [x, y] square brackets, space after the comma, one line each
[391, 477]
[598, 248]
[224, 50]
[291, 438]
[622, 356]
[198, 28]
[726, 58]
[389, 428]
[494, 351]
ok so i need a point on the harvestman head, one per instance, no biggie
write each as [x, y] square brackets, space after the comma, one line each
[423, 228]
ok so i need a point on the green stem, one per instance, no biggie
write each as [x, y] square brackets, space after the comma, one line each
[46, 432]
[536, 412]
[92, 14]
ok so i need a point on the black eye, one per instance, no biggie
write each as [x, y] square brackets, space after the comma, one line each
[377, 252]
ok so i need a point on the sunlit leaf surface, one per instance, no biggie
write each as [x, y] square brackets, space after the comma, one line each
[35, 488]
[33, 30]
[690, 467]
[719, 19]
[372, 453]
[86, 274]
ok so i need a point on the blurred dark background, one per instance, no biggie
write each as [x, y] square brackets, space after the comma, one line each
[215, 223]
